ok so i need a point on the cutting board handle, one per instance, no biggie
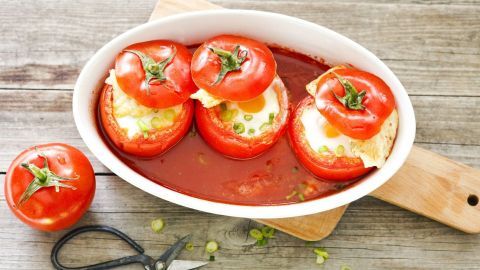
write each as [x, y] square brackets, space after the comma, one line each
[436, 187]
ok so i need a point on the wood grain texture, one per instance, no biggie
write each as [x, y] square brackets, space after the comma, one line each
[371, 235]
[418, 41]
[433, 46]
[171, 7]
[312, 227]
[436, 187]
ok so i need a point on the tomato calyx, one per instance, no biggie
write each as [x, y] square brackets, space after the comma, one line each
[231, 61]
[352, 99]
[43, 177]
[154, 71]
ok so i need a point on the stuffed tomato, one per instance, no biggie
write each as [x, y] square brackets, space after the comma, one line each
[346, 127]
[243, 105]
[145, 105]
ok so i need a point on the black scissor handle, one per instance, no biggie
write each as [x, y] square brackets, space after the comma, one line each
[140, 258]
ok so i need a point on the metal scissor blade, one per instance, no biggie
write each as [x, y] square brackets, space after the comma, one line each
[170, 254]
[185, 265]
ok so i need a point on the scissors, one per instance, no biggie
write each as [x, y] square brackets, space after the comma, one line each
[165, 262]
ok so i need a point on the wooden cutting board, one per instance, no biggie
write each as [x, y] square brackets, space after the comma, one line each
[428, 184]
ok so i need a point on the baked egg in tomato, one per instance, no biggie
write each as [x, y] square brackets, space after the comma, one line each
[346, 127]
[243, 105]
[145, 105]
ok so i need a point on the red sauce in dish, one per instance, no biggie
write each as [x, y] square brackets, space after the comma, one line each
[276, 177]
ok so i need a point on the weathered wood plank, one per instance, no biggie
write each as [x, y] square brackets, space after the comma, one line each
[434, 49]
[371, 235]
[448, 125]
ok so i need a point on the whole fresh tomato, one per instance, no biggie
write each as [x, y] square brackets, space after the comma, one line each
[158, 140]
[355, 102]
[327, 166]
[155, 73]
[233, 68]
[50, 186]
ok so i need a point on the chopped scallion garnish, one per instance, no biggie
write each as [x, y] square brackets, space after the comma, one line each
[271, 116]
[323, 148]
[289, 196]
[211, 247]
[322, 255]
[268, 232]
[223, 106]
[157, 225]
[345, 267]
[211, 258]
[156, 122]
[248, 117]
[340, 150]
[143, 127]
[189, 246]
[251, 131]
[264, 126]
[256, 234]
[262, 242]
[169, 114]
[239, 128]
[301, 197]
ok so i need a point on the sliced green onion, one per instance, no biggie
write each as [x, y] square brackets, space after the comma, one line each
[189, 246]
[157, 225]
[321, 252]
[345, 267]
[301, 197]
[239, 128]
[322, 255]
[169, 114]
[251, 131]
[340, 150]
[320, 260]
[268, 232]
[156, 122]
[262, 242]
[271, 116]
[211, 258]
[256, 234]
[143, 127]
[248, 117]
[211, 247]
[264, 126]
[289, 196]
[223, 106]
[323, 148]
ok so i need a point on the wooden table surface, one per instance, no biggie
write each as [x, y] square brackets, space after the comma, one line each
[433, 46]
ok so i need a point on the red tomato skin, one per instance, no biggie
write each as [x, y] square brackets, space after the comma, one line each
[158, 141]
[175, 90]
[256, 74]
[221, 137]
[379, 103]
[48, 210]
[327, 167]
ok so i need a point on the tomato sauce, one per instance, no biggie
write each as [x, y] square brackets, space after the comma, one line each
[276, 177]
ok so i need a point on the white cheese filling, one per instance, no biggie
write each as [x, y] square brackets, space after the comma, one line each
[132, 116]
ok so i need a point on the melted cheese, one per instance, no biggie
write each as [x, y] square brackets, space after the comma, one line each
[374, 151]
[128, 112]
[208, 100]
